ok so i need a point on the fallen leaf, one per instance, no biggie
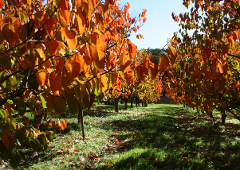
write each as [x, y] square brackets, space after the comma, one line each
[117, 143]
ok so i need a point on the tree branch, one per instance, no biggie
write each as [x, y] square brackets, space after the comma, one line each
[18, 92]
[28, 37]
[6, 77]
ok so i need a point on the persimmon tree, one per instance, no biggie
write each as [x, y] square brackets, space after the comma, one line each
[206, 72]
[57, 55]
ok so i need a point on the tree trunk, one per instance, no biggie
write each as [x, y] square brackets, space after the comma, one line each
[223, 117]
[131, 103]
[211, 115]
[80, 120]
[116, 105]
[126, 101]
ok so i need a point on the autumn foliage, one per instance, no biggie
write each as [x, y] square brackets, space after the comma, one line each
[61, 54]
[206, 72]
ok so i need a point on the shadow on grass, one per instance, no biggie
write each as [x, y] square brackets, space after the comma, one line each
[172, 140]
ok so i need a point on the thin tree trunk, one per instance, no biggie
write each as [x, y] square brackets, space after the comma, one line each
[116, 105]
[211, 115]
[223, 117]
[80, 120]
[126, 101]
[131, 103]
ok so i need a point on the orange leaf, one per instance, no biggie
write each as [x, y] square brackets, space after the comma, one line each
[129, 75]
[231, 41]
[70, 38]
[53, 47]
[154, 70]
[64, 123]
[2, 3]
[55, 81]
[144, 19]
[49, 25]
[17, 24]
[48, 63]
[42, 77]
[87, 10]
[172, 53]
[53, 124]
[65, 8]
[59, 125]
[5, 140]
[61, 19]
[132, 49]
[103, 83]
[117, 143]
[124, 60]
[75, 65]
[219, 66]
[81, 22]
[25, 120]
[163, 63]
[59, 63]
[77, 3]
[99, 60]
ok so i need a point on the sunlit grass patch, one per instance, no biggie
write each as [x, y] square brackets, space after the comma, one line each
[153, 137]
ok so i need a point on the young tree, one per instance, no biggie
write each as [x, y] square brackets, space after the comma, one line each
[53, 56]
[206, 72]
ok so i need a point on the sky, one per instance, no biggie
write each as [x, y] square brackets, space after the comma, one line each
[159, 26]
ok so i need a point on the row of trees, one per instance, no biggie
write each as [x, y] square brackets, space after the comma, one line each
[63, 54]
[206, 74]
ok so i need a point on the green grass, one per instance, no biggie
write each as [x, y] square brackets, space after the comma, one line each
[153, 137]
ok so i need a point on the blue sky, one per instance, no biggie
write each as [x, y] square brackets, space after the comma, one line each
[159, 26]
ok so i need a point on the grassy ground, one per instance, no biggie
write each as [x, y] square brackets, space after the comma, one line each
[153, 137]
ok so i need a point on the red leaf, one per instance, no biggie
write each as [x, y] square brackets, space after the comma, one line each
[163, 63]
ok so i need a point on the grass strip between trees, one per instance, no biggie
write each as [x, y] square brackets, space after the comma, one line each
[154, 137]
